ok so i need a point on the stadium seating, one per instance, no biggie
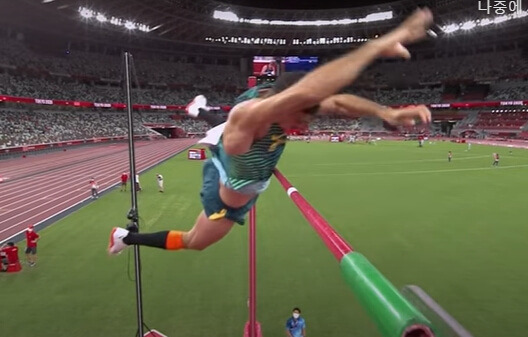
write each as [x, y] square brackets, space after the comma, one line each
[500, 121]
[23, 127]
[95, 77]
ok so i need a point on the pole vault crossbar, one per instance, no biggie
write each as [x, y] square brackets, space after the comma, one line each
[391, 312]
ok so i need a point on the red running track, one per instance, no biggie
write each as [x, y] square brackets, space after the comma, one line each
[41, 186]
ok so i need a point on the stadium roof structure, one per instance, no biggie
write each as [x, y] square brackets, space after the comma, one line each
[188, 26]
[306, 4]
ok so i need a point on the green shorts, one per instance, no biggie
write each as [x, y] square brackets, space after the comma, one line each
[213, 205]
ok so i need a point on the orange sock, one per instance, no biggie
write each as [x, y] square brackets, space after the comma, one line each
[174, 240]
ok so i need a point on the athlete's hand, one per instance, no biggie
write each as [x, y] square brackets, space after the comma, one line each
[397, 50]
[413, 29]
[408, 116]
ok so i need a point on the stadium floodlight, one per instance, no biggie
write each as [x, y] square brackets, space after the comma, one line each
[468, 25]
[226, 15]
[130, 25]
[500, 19]
[101, 18]
[230, 16]
[116, 21]
[450, 28]
[283, 41]
[485, 22]
[86, 13]
[143, 28]
[377, 17]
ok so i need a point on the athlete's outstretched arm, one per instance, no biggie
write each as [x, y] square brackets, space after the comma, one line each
[334, 76]
[355, 106]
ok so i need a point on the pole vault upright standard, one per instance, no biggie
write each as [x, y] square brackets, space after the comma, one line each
[133, 215]
[252, 327]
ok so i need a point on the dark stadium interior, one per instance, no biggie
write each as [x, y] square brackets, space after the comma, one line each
[63, 118]
[329, 4]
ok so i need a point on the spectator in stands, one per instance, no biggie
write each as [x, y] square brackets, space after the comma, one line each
[31, 245]
[22, 127]
[163, 75]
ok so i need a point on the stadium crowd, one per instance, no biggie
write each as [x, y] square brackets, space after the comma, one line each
[164, 80]
[95, 77]
[23, 127]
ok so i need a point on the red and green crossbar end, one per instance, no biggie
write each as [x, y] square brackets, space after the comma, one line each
[392, 313]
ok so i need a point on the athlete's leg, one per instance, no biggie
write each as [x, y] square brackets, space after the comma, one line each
[212, 118]
[198, 109]
[204, 233]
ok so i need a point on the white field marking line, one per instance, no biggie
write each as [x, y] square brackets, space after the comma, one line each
[401, 161]
[16, 190]
[154, 163]
[43, 179]
[409, 172]
[61, 189]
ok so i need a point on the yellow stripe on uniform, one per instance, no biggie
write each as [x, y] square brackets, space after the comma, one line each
[218, 215]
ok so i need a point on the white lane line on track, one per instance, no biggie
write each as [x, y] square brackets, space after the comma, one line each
[150, 163]
[20, 166]
[53, 186]
[60, 191]
[72, 170]
[14, 191]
